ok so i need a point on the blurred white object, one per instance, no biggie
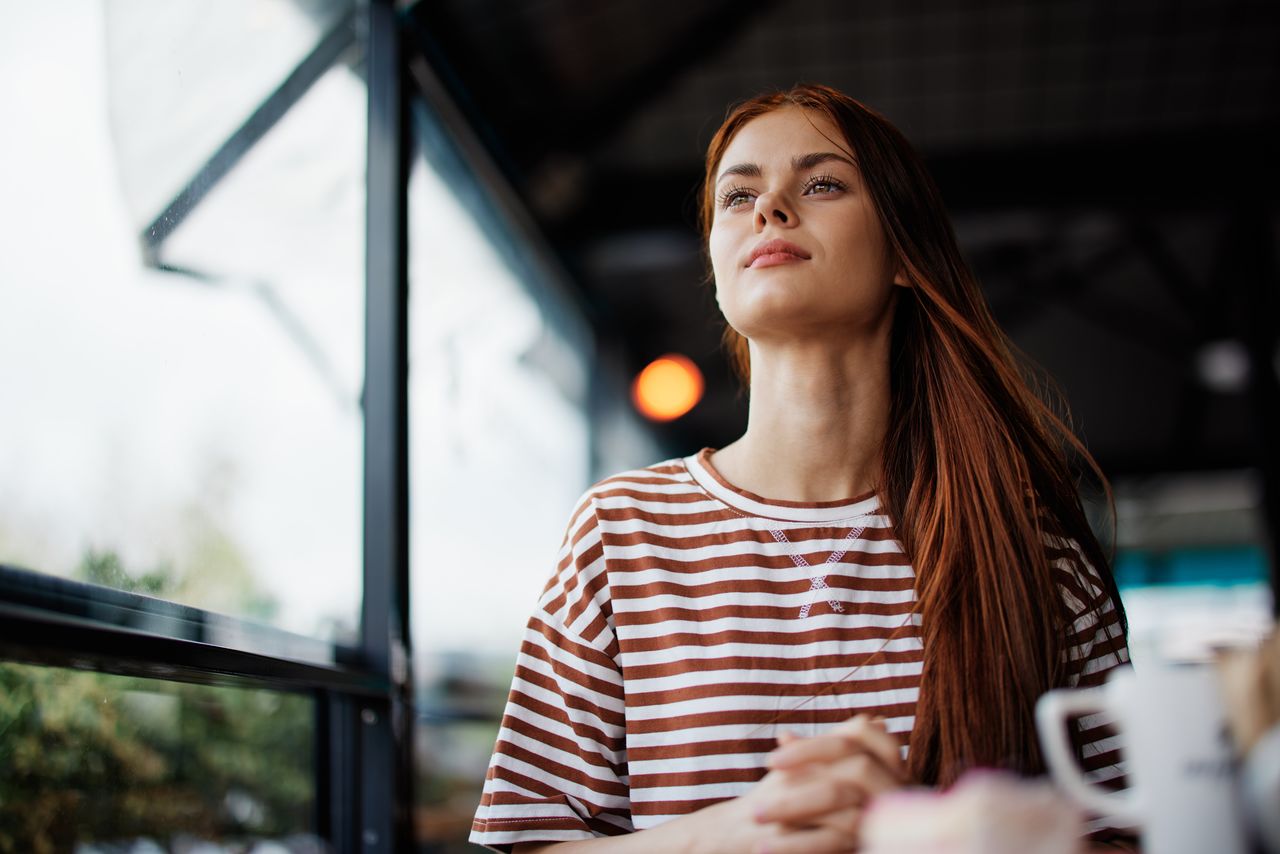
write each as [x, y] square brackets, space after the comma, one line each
[987, 812]
[1190, 622]
[1260, 788]
[1173, 729]
[1251, 686]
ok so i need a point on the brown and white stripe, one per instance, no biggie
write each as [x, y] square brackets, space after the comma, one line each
[669, 650]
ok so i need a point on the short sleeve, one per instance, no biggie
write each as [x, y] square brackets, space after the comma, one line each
[1096, 642]
[1096, 647]
[559, 768]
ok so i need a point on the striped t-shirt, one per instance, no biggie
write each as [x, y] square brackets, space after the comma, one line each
[688, 622]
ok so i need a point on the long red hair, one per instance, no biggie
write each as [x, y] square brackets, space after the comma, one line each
[976, 471]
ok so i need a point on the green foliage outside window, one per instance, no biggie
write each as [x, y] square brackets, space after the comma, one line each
[92, 757]
[88, 756]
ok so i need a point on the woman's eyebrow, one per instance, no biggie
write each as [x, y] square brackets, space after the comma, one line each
[799, 163]
[747, 170]
[808, 161]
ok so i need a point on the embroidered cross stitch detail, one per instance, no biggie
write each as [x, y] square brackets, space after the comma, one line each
[819, 581]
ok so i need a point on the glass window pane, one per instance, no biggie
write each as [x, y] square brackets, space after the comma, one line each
[451, 756]
[497, 394]
[193, 435]
[183, 76]
[93, 761]
[499, 454]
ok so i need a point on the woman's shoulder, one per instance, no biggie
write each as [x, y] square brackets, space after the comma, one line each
[1082, 586]
[646, 494]
[659, 482]
[674, 470]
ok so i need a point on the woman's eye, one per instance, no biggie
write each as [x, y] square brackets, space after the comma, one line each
[734, 198]
[824, 185]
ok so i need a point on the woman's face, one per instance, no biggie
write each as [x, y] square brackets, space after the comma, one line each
[783, 179]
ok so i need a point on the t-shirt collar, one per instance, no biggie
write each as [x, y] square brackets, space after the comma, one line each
[705, 475]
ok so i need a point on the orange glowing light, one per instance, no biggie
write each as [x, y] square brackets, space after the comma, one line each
[667, 388]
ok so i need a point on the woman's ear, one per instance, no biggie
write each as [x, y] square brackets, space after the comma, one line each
[894, 260]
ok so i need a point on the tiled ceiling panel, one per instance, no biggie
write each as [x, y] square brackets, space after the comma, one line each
[962, 75]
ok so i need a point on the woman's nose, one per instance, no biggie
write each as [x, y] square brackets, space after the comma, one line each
[772, 208]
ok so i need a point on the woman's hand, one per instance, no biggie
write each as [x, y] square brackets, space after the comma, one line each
[760, 819]
[729, 827]
[821, 785]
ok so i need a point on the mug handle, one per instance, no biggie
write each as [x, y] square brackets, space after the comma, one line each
[1052, 711]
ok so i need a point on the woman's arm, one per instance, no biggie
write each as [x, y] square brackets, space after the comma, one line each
[728, 826]
[811, 803]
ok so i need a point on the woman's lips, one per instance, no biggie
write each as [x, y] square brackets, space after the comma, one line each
[770, 253]
[772, 259]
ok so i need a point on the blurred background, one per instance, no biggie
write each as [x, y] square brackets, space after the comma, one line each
[299, 389]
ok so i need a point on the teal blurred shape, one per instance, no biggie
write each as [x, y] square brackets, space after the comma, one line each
[1221, 566]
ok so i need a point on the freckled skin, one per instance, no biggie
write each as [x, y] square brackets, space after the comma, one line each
[846, 284]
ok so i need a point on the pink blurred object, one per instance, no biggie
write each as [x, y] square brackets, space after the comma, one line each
[986, 812]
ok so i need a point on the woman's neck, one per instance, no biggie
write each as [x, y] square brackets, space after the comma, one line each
[817, 421]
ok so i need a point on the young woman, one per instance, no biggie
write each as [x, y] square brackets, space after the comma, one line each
[869, 589]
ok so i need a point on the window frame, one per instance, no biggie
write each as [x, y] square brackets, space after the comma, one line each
[363, 694]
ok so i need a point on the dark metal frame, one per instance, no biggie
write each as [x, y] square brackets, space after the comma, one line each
[363, 694]
[339, 39]
[55, 621]
[386, 727]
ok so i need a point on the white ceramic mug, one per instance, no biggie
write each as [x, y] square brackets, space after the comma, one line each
[1181, 770]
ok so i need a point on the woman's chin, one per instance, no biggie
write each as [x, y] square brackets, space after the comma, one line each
[782, 318]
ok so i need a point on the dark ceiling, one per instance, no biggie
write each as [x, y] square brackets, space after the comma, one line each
[1110, 169]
